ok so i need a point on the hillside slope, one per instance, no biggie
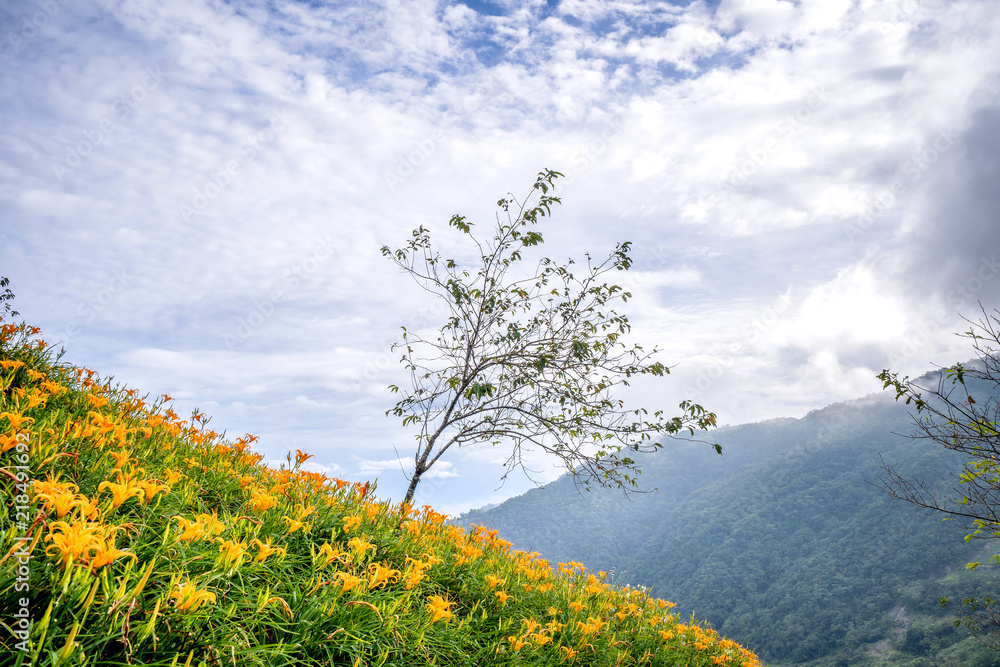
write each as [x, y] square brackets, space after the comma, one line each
[783, 541]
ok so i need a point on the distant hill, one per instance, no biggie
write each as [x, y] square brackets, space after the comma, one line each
[783, 542]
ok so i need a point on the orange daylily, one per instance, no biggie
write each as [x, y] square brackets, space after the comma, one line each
[189, 598]
[379, 575]
[439, 608]
[265, 549]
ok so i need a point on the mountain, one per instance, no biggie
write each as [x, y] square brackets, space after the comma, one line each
[785, 542]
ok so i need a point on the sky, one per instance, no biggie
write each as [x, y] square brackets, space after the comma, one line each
[194, 194]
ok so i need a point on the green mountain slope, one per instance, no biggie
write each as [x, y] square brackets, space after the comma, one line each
[783, 542]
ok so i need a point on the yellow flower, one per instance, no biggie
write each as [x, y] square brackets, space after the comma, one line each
[329, 553]
[231, 553]
[105, 553]
[119, 492]
[347, 580]
[190, 530]
[294, 525]
[439, 608]
[576, 606]
[516, 644]
[260, 502]
[570, 653]
[211, 523]
[351, 522]
[74, 541]
[592, 626]
[493, 581]
[62, 501]
[121, 458]
[359, 545]
[379, 575]
[173, 477]
[189, 598]
[469, 553]
[265, 549]
[413, 578]
[150, 488]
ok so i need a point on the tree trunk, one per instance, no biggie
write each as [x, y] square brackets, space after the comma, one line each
[413, 485]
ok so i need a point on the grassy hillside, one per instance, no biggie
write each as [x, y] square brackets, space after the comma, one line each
[782, 542]
[132, 536]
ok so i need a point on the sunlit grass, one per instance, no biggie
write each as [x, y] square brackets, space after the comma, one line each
[155, 541]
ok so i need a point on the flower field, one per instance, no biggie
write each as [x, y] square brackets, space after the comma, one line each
[131, 536]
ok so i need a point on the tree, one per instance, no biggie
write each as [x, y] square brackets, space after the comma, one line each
[7, 296]
[528, 358]
[960, 410]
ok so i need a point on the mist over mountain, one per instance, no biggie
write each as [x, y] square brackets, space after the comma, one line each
[784, 542]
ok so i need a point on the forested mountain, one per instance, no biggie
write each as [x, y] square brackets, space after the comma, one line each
[784, 542]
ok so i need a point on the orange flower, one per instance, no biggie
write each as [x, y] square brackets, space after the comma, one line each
[119, 492]
[294, 525]
[329, 554]
[359, 545]
[439, 608]
[150, 488]
[62, 502]
[74, 541]
[265, 549]
[16, 419]
[189, 598]
[493, 581]
[106, 553]
[190, 530]
[121, 458]
[347, 580]
[592, 626]
[516, 644]
[351, 522]
[502, 596]
[260, 502]
[230, 553]
[379, 575]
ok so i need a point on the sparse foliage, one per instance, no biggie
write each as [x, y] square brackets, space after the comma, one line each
[5, 298]
[960, 411]
[529, 358]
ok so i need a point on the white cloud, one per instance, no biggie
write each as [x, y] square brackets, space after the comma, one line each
[402, 114]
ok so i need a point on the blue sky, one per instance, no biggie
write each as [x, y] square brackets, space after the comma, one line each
[193, 194]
